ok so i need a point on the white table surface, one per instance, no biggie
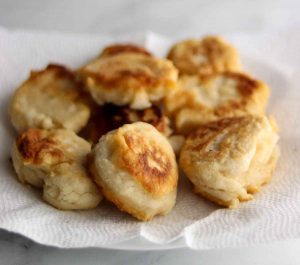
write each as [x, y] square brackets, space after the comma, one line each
[174, 18]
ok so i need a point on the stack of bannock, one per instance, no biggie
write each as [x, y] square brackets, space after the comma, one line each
[113, 128]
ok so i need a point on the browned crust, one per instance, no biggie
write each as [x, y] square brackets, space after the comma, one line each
[148, 164]
[252, 99]
[246, 84]
[153, 115]
[252, 92]
[34, 145]
[59, 70]
[76, 94]
[113, 197]
[216, 127]
[205, 134]
[128, 79]
[109, 117]
[226, 134]
[220, 56]
[117, 72]
[124, 48]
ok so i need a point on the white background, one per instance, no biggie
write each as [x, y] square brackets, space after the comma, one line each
[174, 18]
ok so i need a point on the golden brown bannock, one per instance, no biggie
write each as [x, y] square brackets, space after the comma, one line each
[230, 159]
[133, 79]
[205, 99]
[204, 57]
[110, 117]
[49, 99]
[123, 48]
[55, 161]
[136, 169]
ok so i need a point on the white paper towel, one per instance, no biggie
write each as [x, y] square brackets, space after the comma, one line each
[274, 214]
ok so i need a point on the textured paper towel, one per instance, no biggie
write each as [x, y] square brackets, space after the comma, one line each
[273, 215]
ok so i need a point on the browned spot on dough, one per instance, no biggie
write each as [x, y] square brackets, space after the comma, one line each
[219, 56]
[34, 146]
[123, 48]
[148, 164]
[64, 81]
[58, 70]
[207, 133]
[134, 78]
[129, 72]
[245, 84]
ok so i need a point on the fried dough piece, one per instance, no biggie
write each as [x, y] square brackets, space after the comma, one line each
[133, 79]
[207, 56]
[49, 99]
[205, 99]
[136, 169]
[55, 161]
[230, 159]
